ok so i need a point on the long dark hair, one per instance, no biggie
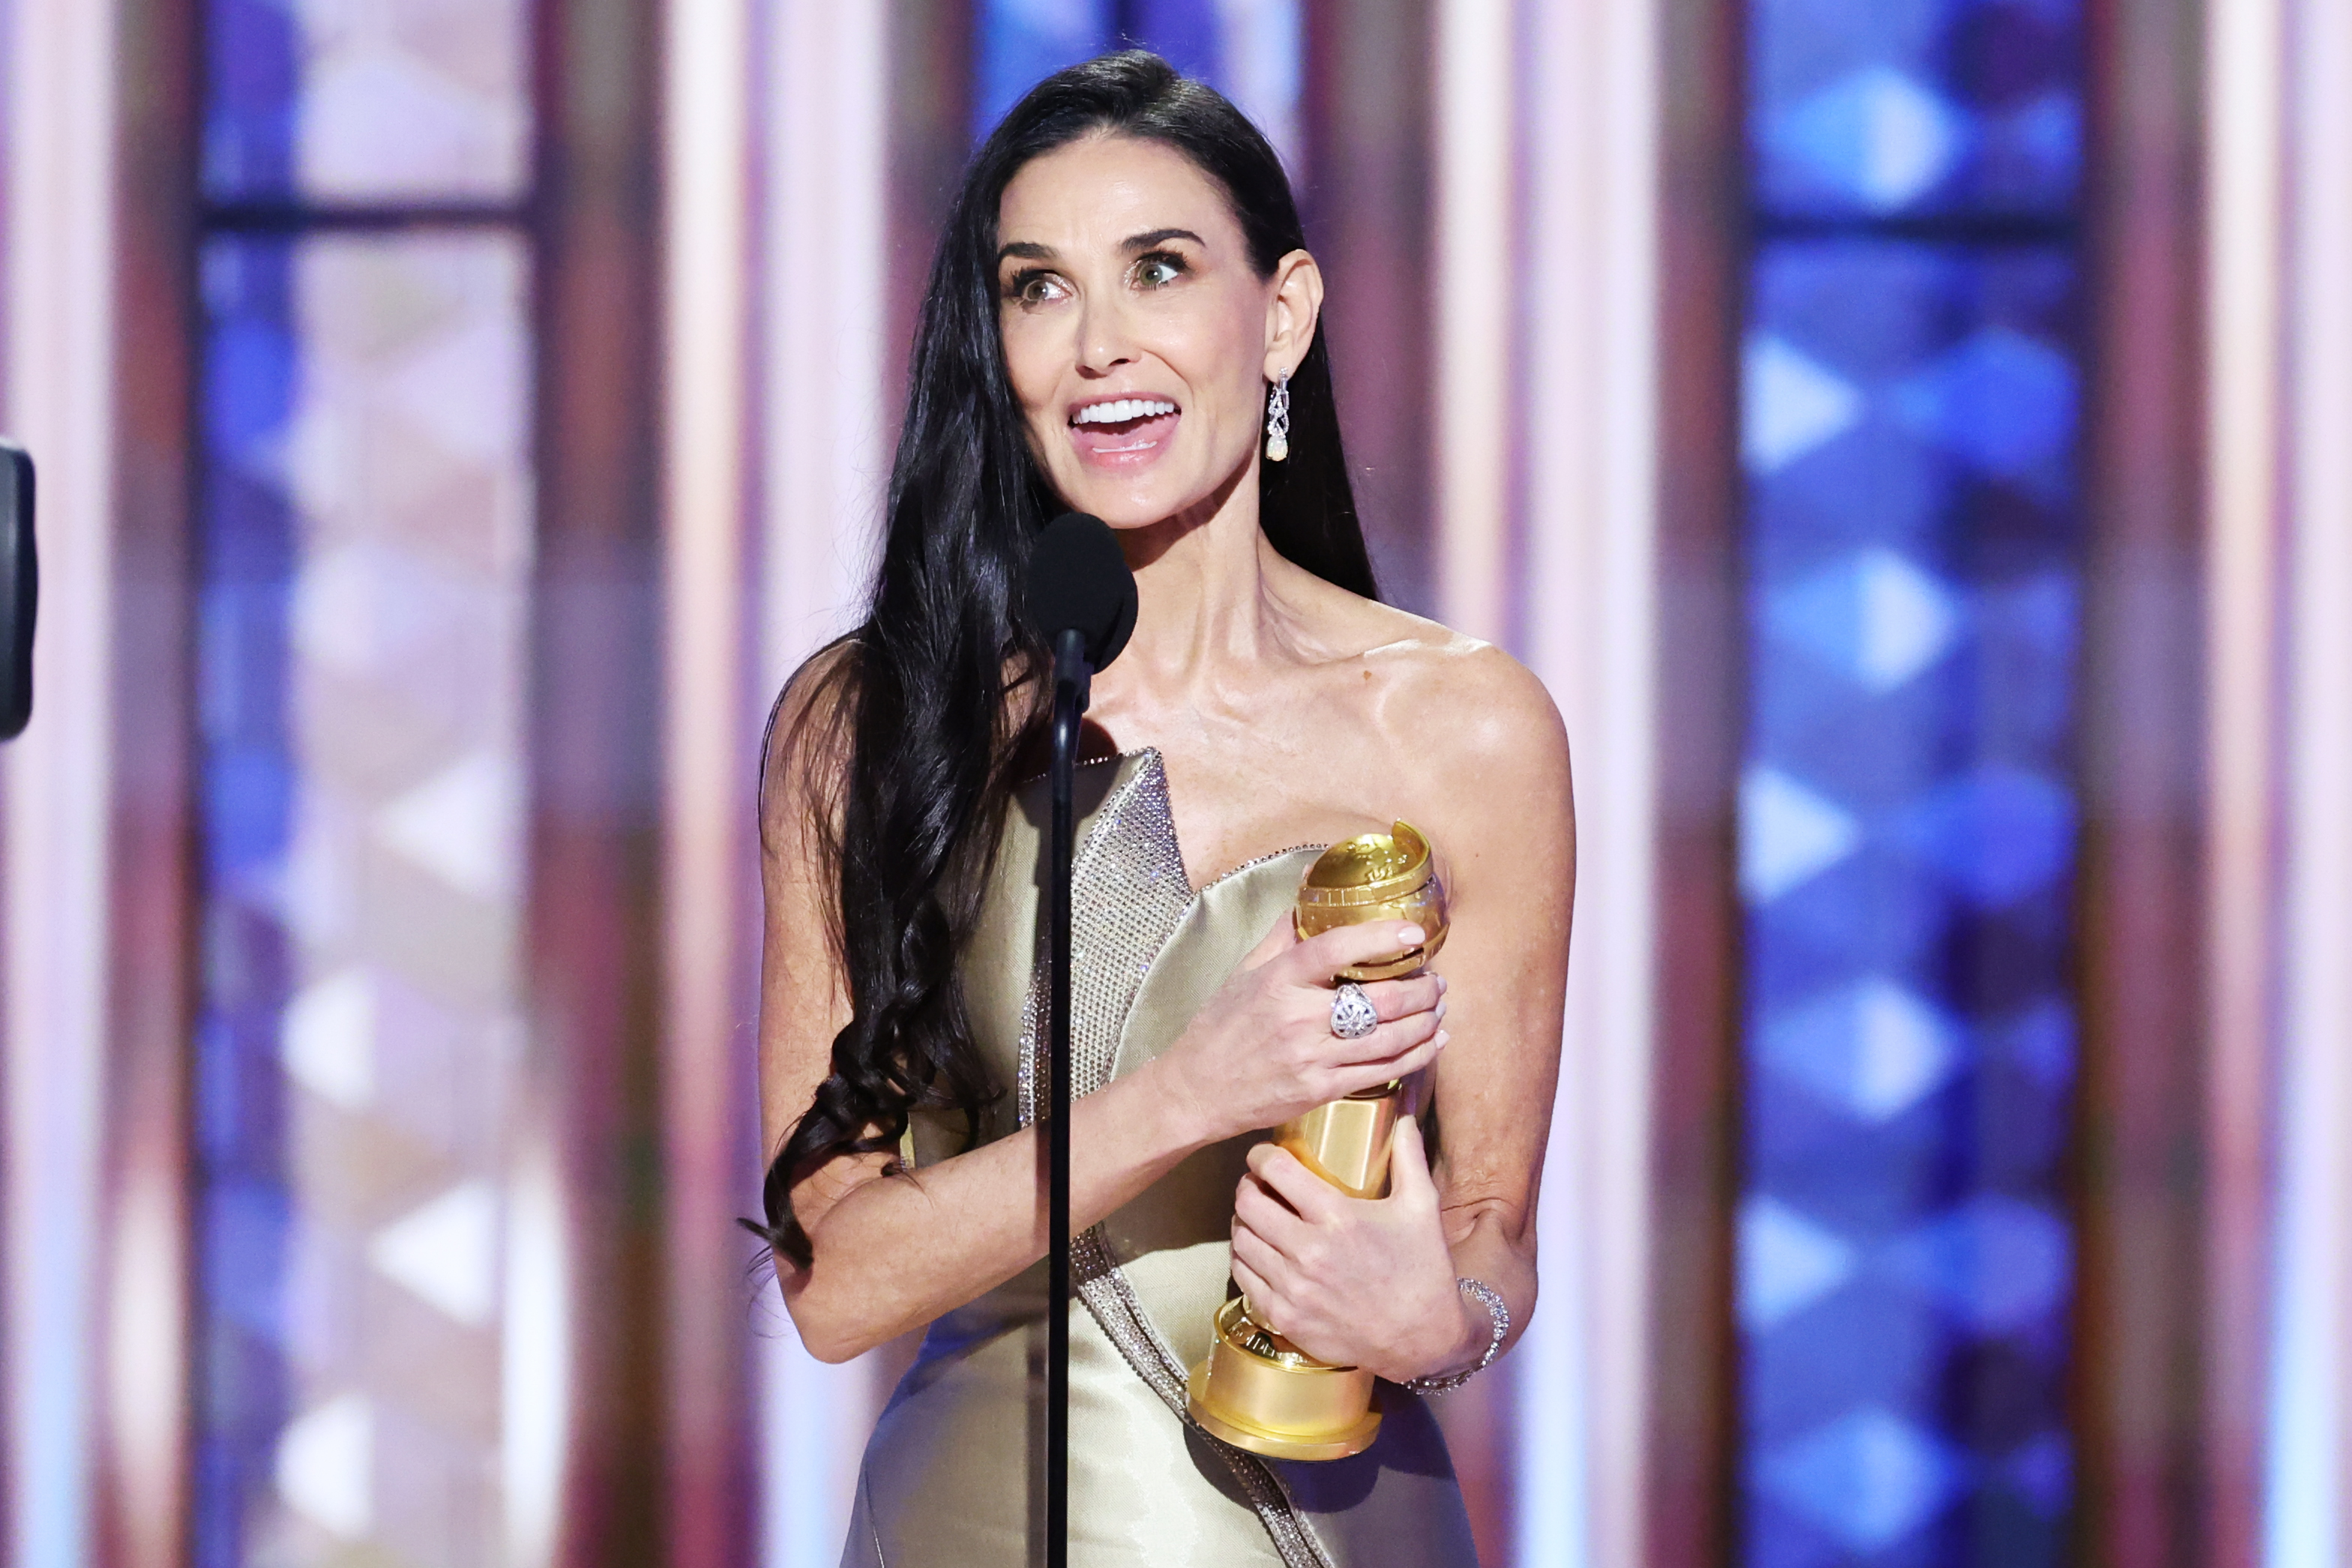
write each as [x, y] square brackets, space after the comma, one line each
[907, 735]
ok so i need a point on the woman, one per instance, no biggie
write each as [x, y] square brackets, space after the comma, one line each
[1122, 320]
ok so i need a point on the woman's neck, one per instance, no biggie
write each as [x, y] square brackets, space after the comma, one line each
[1204, 600]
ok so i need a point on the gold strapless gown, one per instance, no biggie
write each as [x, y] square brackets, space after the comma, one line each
[953, 1478]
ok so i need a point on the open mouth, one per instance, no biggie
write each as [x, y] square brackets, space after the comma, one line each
[1125, 430]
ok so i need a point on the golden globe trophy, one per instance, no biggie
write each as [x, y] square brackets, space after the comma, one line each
[1256, 1390]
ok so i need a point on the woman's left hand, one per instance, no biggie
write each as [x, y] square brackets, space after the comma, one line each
[1354, 1281]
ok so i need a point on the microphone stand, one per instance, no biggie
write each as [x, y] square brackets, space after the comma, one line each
[1073, 679]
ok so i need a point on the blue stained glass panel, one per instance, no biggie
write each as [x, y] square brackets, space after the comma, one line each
[365, 549]
[1907, 809]
[254, 69]
[1022, 42]
[421, 100]
[1185, 33]
[364, 541]
[1873, 108]
[240, 1122]
[1907, 822]
[1249, 49]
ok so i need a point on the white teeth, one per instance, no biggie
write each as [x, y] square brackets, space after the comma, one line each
[1120, 410]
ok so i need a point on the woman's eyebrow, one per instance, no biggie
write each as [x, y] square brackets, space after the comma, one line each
[1030, 250]
[1162, 236]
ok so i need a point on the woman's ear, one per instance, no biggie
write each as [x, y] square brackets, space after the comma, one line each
[1291, 315]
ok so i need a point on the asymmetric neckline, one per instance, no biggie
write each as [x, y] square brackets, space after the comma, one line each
[1152, 755]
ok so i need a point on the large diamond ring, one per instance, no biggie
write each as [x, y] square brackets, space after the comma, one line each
[1352, 1014]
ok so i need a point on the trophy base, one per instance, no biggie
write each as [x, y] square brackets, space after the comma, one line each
[1230, 1427]
[1284, 1406]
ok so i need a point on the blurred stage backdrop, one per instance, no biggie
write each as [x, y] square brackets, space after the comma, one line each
[1909, 437]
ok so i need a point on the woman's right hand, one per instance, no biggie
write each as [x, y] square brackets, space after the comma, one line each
[1262, 1051]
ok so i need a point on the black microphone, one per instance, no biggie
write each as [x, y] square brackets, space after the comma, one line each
[1079, 580]
[1081, 600]
[20, 589]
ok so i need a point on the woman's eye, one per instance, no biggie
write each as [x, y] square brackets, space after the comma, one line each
[1036, 288]
[1155, 270]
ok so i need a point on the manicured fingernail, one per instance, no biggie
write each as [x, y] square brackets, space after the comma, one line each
[1440, 1008]
[1441, 984]
[1411, 935]
[1443, 1036]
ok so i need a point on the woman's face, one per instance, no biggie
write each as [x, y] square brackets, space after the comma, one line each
[1138, 338]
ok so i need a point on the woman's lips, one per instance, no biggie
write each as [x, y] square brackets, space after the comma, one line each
[1124, 443]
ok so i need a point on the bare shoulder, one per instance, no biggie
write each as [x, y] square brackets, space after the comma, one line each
[805, 750]
[1455, 735]
[1464, 703]
[1484, 707]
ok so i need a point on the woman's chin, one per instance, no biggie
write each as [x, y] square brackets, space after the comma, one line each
[1140, 497]
[1126, 502]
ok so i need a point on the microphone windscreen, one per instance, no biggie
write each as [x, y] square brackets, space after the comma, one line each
[1078, 579]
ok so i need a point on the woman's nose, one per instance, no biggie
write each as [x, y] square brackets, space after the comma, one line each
[1104, 343]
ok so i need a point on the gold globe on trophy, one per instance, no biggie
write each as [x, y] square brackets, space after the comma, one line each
[1256, 1390]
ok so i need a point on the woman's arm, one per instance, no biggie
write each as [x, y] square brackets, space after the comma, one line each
[893, 1252]
[1372, 1283]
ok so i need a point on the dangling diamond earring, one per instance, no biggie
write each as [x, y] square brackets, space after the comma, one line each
[1277, 421]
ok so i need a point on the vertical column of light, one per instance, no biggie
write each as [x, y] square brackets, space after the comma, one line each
[824, 275]
[706, 753]
[61, 103]
[1907, 819]
[1471, 305]
[1469, 299]
[1260, 56]
[364, 551]
[2309, 1441]
[1583, 435]
[2244, 557]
